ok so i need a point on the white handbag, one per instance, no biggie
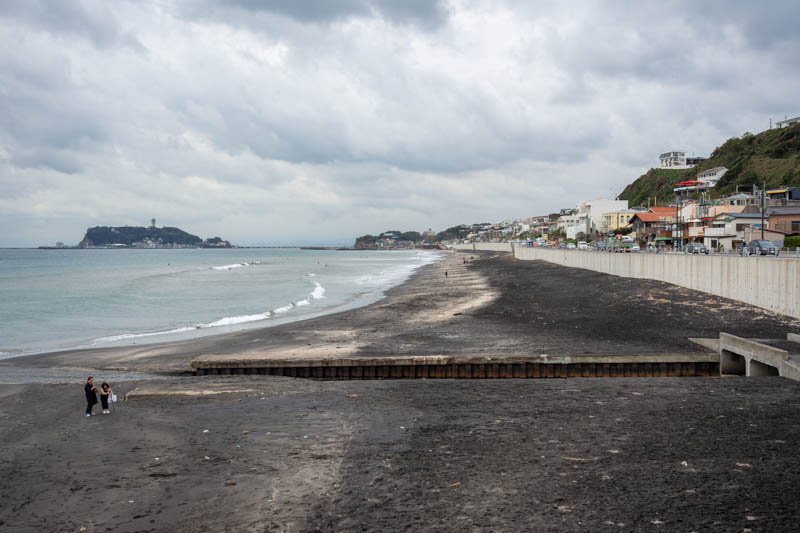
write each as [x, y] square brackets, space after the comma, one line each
[113, 398]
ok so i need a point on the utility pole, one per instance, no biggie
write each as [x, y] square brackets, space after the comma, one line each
[763, 188]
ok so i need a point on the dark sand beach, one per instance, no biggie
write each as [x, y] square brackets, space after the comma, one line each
[284, 454]
[492, 304]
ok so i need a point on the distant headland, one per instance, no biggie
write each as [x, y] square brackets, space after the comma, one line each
[143, 237]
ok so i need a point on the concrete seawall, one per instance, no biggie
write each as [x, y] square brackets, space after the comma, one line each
[485, 247]
[768, 282]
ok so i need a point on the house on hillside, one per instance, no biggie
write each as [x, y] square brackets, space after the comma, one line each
[616, 220]
[787, 122]
[733, 230]
[712, 175]
[785, 219]
[653, 227]
[783, 196]
[676, 159]
[590, 213]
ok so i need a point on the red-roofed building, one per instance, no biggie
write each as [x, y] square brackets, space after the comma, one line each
[653, 227]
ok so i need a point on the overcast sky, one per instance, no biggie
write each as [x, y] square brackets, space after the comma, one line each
[304, 121]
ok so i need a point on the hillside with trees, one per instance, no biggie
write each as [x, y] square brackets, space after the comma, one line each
[126, 236]
[771, 157]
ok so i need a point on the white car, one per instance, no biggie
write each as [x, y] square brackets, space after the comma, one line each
[571, 246]
[582, 245]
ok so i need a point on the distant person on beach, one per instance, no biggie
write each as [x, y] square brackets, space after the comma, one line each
[105, 394]
[91, 395]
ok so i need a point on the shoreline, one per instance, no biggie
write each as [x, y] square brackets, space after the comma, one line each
[122, 358]
[226, 325]
[270, 453]
[488, 303]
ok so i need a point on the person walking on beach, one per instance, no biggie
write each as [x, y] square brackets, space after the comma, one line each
[105, 394]
[91, 395]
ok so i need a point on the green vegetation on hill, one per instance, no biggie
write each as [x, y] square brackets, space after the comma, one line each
[772, 156]
[369, 241]
[130, 235]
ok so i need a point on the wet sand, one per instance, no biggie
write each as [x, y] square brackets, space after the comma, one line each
[284, 454]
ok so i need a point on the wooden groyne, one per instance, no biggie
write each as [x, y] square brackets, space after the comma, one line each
[453, 367]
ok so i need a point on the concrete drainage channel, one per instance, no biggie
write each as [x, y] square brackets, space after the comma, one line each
[454, 367]
[746, 357]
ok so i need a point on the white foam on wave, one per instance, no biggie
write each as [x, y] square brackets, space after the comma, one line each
[232, 320]
[126, 336]
[284, 309]
[231, 267]
[318, 293]
[301, 303]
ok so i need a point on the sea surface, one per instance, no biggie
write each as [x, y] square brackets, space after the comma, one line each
[61, 299]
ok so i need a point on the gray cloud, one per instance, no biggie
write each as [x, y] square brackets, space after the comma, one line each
[426, 13]
[88, 19]
[323, 120]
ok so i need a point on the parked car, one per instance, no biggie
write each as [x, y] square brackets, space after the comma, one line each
[562, 245]
[759, 247]
[571, 246]
[582, 245]
[635, 248]
[695, 248]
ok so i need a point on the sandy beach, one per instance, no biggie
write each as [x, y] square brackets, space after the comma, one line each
[281, 454]
[487, 303]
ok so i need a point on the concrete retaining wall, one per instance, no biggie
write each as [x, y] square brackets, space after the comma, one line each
[485, 246]
[768, 282]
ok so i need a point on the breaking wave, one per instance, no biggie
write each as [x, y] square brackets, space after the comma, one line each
[231, 267]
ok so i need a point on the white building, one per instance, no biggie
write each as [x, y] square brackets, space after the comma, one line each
[787, 122]
[677, 159]
[590, 213]
[712, 175]
[569, 225]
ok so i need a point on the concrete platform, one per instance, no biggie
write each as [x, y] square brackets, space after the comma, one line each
[748, 357]
[441, 366]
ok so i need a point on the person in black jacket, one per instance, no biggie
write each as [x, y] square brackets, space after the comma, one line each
[91, 395]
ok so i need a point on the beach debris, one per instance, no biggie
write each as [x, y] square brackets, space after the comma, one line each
[156, 459]
[612, 451]
[565, 508]
[751, 517]
[245, 432]
[130, 501]
[743, 465]
[205, 431]
[230, 483]
[456, 484]
[684, 463]
[355, 395]
[83, 528]
[207, 458]
[657, 522]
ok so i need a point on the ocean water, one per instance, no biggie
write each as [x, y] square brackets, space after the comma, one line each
[61, 299]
